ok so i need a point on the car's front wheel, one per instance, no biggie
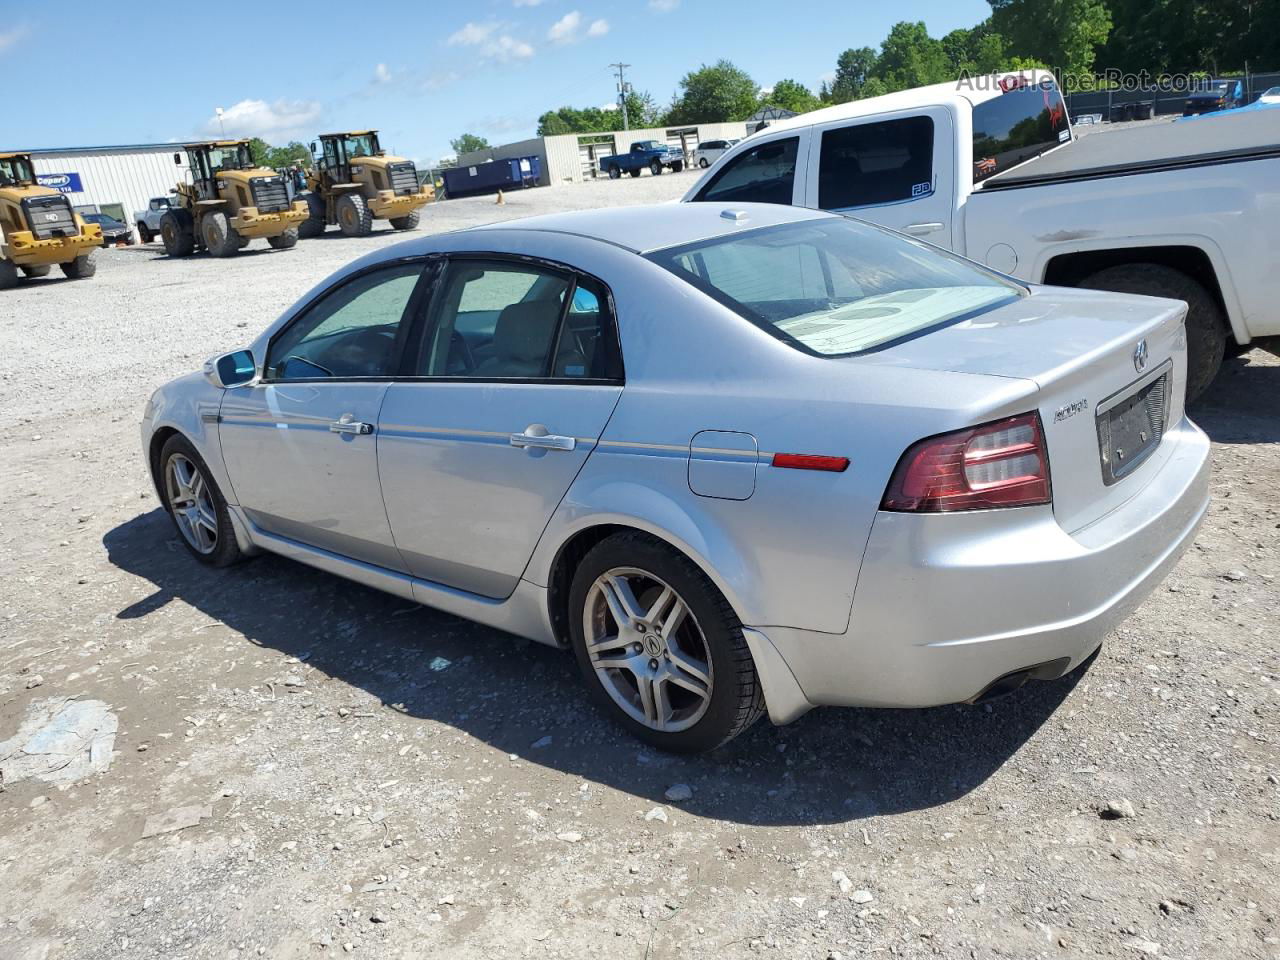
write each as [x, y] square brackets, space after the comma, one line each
[661, 649]
[196, 505]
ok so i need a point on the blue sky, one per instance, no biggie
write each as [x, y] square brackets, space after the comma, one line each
[488, 67]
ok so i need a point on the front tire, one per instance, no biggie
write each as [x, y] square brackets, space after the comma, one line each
[220, 238]
[409, 221]
[656, 168]
[178, 233]
[196, 505]
[661, 650]
[354, 218]
[635, 171]
[677, 166]
[1206, 325]
[314, 225]
[82, 267]
[144, 232]
[284, 241]
[702, 162]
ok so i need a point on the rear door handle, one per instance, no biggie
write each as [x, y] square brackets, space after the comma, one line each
[537, 437]
[347, 424]
[921, 229]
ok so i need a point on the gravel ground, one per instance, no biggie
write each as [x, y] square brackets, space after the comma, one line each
[269, 761]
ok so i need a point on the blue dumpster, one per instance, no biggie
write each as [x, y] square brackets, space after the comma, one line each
[514, 173]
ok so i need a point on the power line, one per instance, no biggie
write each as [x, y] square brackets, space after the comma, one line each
[623, 89]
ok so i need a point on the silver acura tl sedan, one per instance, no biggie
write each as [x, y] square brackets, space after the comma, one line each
[739, 460]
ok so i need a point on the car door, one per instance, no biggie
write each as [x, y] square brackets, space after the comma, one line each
[766, 172]
[512, 381]
[300, 443]
[891, 169]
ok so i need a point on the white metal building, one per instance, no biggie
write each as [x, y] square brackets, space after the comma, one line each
[115, 180]
[575, 157]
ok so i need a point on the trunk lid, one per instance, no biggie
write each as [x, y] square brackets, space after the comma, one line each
[1080, 347]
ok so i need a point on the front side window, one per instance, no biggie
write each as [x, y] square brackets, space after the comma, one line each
[352, 331]
[1017, 126]
[873, 163]
[835, 287]
[14, 170]
[501, 320]
[365, 145]
[764, 174]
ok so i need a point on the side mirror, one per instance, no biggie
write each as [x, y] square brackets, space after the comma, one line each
[230, 369]
[313, 146]
[177, 159]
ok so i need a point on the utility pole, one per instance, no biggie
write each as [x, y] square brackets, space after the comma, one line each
[623, 89]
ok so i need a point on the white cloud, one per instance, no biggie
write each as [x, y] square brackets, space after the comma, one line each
[9, 37]
[663, 6]
[381, 74]
[493, 43]
[606, 107]
[598, 28]
[281, 119]
[565, 30]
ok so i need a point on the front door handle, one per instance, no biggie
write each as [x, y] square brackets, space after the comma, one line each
[347, 424]
[537, 437]
[921, 229]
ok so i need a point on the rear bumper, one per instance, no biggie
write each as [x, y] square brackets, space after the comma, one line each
[947, 604]
[25, 250]
[252, 224]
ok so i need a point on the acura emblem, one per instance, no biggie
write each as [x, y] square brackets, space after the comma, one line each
[1140, 356]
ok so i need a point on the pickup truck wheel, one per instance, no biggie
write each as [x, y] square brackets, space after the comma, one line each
[178, 233]
[42, 270]
[677, 166]
[656, 167]
[1206, 326]
[9, 275]
[144, 232]
[354, 218]
[314, 225]
[635, 172]
[220, 238]
[82, 267]
[284, 240]
[614, 173]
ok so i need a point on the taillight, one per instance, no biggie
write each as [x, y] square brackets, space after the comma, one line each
[1001, 464]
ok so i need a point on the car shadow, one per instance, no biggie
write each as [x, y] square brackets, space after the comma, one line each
[831, 766]
[1243, 404]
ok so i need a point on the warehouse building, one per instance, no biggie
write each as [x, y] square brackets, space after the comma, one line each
[113, 180]
[575, 157]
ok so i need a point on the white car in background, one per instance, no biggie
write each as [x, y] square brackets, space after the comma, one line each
[1270, 95]
[709, 151]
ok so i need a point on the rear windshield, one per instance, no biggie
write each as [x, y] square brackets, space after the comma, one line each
[1017, 126]
[835, 287]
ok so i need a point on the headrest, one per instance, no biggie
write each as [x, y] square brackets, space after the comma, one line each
[524, 330]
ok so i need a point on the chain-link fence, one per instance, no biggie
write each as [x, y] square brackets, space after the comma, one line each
[1140, 103]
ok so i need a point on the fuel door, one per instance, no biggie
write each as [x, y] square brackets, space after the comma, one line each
[722, 464]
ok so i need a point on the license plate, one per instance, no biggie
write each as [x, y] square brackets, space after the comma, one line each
[1130, 428]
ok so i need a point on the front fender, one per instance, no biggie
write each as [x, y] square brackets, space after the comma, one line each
[190, 406]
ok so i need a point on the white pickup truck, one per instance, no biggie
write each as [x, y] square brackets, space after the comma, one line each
[148, 220]
[989, 168]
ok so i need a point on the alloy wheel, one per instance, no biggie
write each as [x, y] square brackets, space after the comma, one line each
[191, 504]
[647, 649]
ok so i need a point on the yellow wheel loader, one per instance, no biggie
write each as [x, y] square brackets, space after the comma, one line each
[38, 228]
[353, 182]
[228, 201]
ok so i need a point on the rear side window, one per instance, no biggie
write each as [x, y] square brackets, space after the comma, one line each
[873, 163]
[764, 174]
[1017, 126]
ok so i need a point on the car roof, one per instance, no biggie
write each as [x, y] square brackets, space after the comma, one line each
[642, 229]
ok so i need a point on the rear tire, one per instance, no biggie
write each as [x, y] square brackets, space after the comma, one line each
[1206, 326]
[409, 221]
[702, 162]
[314, 225]
[195, 504]
[144, 232]
[9, 275]
[614, 173]
[677, 166]
[707, 639]
[40, 270]
[220, 238]
[82, 267]
[354, 218]
[635, 172]
[284, 241]
[178, 233]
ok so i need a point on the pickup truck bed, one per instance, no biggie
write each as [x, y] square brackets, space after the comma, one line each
[1165, 146]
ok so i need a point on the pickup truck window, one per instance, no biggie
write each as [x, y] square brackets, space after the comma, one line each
[764, 174]
[643, 146]
[872, 163]
[1017, 126]
[836, 287]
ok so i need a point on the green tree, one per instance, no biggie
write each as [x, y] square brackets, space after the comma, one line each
[1063, 33]
[854, 68]
[468, 143]
[909, 57]
[791, 95]
[714, 94]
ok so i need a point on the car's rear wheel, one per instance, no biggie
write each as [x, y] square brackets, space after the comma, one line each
[702, 162]
[178, 233]
[284, 241]
[660, 647]
[220, 238]
[82, 267]
[196, 505]
[314, 225]
[354, 218]
[614, 173]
